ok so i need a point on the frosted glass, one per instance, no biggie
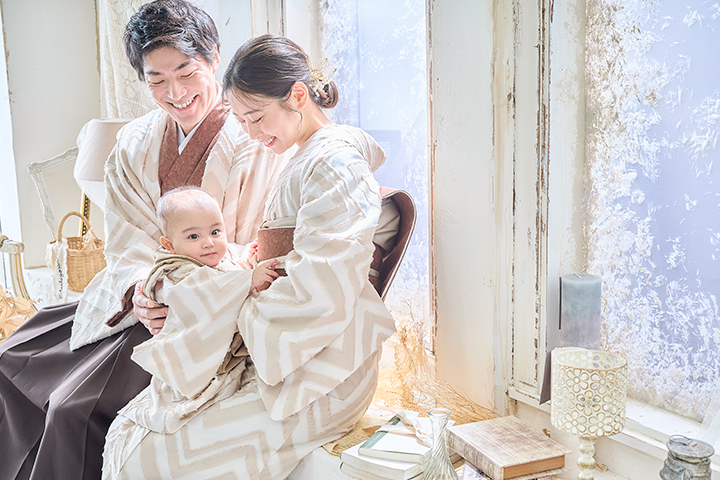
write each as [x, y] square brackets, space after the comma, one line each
[379, 49]
[653, 193]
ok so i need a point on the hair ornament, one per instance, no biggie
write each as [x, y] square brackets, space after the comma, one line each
[320, 73]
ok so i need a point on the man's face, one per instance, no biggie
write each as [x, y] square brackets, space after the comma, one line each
[184, 87]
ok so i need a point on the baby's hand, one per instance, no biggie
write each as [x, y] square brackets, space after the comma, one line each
[252, 251]
[264, 274]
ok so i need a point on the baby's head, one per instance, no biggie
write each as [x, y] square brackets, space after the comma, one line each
[192, 225]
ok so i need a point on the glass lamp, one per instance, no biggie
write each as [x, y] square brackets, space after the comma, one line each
[589, 390]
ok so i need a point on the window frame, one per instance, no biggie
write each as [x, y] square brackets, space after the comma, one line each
[559, 185]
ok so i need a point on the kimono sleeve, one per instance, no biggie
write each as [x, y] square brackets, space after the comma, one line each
[201, 322]
[131, 230]
[301, 314]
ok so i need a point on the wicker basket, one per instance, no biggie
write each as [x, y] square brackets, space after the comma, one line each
[85, 255]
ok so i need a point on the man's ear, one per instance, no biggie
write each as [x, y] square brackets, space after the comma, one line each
[216, 59]
[167, 244]
[300, 94]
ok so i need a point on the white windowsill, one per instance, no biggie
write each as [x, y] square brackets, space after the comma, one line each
[647, 429]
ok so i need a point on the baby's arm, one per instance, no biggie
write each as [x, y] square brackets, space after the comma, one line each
[264, 274]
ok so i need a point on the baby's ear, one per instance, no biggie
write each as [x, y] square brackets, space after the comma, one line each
[167, 245]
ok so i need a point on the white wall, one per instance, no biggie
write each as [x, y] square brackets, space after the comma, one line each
[51, 50]
[9, 210]
[234, 22]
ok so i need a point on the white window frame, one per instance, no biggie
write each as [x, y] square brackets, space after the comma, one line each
[558, 224]
[268, 16]
[9, 205]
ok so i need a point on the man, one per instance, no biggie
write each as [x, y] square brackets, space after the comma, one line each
[67, 371]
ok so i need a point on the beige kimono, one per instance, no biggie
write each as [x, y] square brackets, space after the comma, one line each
[314, 337]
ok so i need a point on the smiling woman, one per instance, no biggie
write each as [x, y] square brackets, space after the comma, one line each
[314, 335]
[279, 110]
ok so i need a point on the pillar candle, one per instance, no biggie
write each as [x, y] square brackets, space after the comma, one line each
[580, 308]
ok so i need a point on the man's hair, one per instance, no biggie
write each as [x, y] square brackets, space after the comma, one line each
[170, 23]
[181, 198]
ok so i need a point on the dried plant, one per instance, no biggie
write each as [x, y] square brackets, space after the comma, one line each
[411, 382]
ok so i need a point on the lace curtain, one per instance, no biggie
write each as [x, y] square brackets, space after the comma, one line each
[122, 94]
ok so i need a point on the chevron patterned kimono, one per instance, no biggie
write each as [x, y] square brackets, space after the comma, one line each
[313, 337]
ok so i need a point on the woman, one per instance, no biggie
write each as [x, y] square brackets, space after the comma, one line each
[313, 336]
[60, 394]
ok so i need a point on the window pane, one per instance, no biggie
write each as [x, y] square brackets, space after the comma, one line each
[379, 50]
[654, 193]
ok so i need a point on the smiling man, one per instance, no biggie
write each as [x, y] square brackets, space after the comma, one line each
[67, 371]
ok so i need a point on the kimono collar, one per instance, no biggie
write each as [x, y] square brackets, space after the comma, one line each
[187, 168]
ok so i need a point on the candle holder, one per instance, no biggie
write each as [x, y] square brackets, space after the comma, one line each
[589, 391]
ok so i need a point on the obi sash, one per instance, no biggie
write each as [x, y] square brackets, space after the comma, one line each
[277, 242]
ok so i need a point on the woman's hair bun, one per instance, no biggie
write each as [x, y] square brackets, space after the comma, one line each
[329, 96]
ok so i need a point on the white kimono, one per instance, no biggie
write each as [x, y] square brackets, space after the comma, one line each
[314, 337]
[237, 173]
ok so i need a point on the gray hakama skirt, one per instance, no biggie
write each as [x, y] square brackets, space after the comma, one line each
[56, 405]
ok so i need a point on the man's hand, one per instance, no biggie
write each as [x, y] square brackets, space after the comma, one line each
[152, 316]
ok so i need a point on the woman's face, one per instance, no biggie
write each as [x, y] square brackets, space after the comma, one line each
[274, 125]
[182, 86]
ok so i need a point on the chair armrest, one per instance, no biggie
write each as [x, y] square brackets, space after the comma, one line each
[14, 250]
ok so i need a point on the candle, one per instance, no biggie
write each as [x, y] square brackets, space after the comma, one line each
[580, 308]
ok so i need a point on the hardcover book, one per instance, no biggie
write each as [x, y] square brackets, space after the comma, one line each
[388, 469]
[471, 472]
[505, 448]
[394, 441]
[364, 474]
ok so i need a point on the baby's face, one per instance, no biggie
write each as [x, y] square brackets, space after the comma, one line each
[199, 233]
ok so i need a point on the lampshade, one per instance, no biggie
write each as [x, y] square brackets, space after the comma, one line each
[95, 142]
[589, 392]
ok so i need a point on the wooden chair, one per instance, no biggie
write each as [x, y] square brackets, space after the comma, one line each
[391, 261]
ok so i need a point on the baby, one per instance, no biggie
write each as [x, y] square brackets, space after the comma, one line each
[194, 232]
[214, 358]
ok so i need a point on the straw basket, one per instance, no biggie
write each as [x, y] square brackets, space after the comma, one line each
[85, 256]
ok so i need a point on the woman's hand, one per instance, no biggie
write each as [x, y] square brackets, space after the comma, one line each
[152, 316]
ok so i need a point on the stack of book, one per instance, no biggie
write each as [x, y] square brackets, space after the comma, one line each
[506, 448]
[500, 449]
[391, 453]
